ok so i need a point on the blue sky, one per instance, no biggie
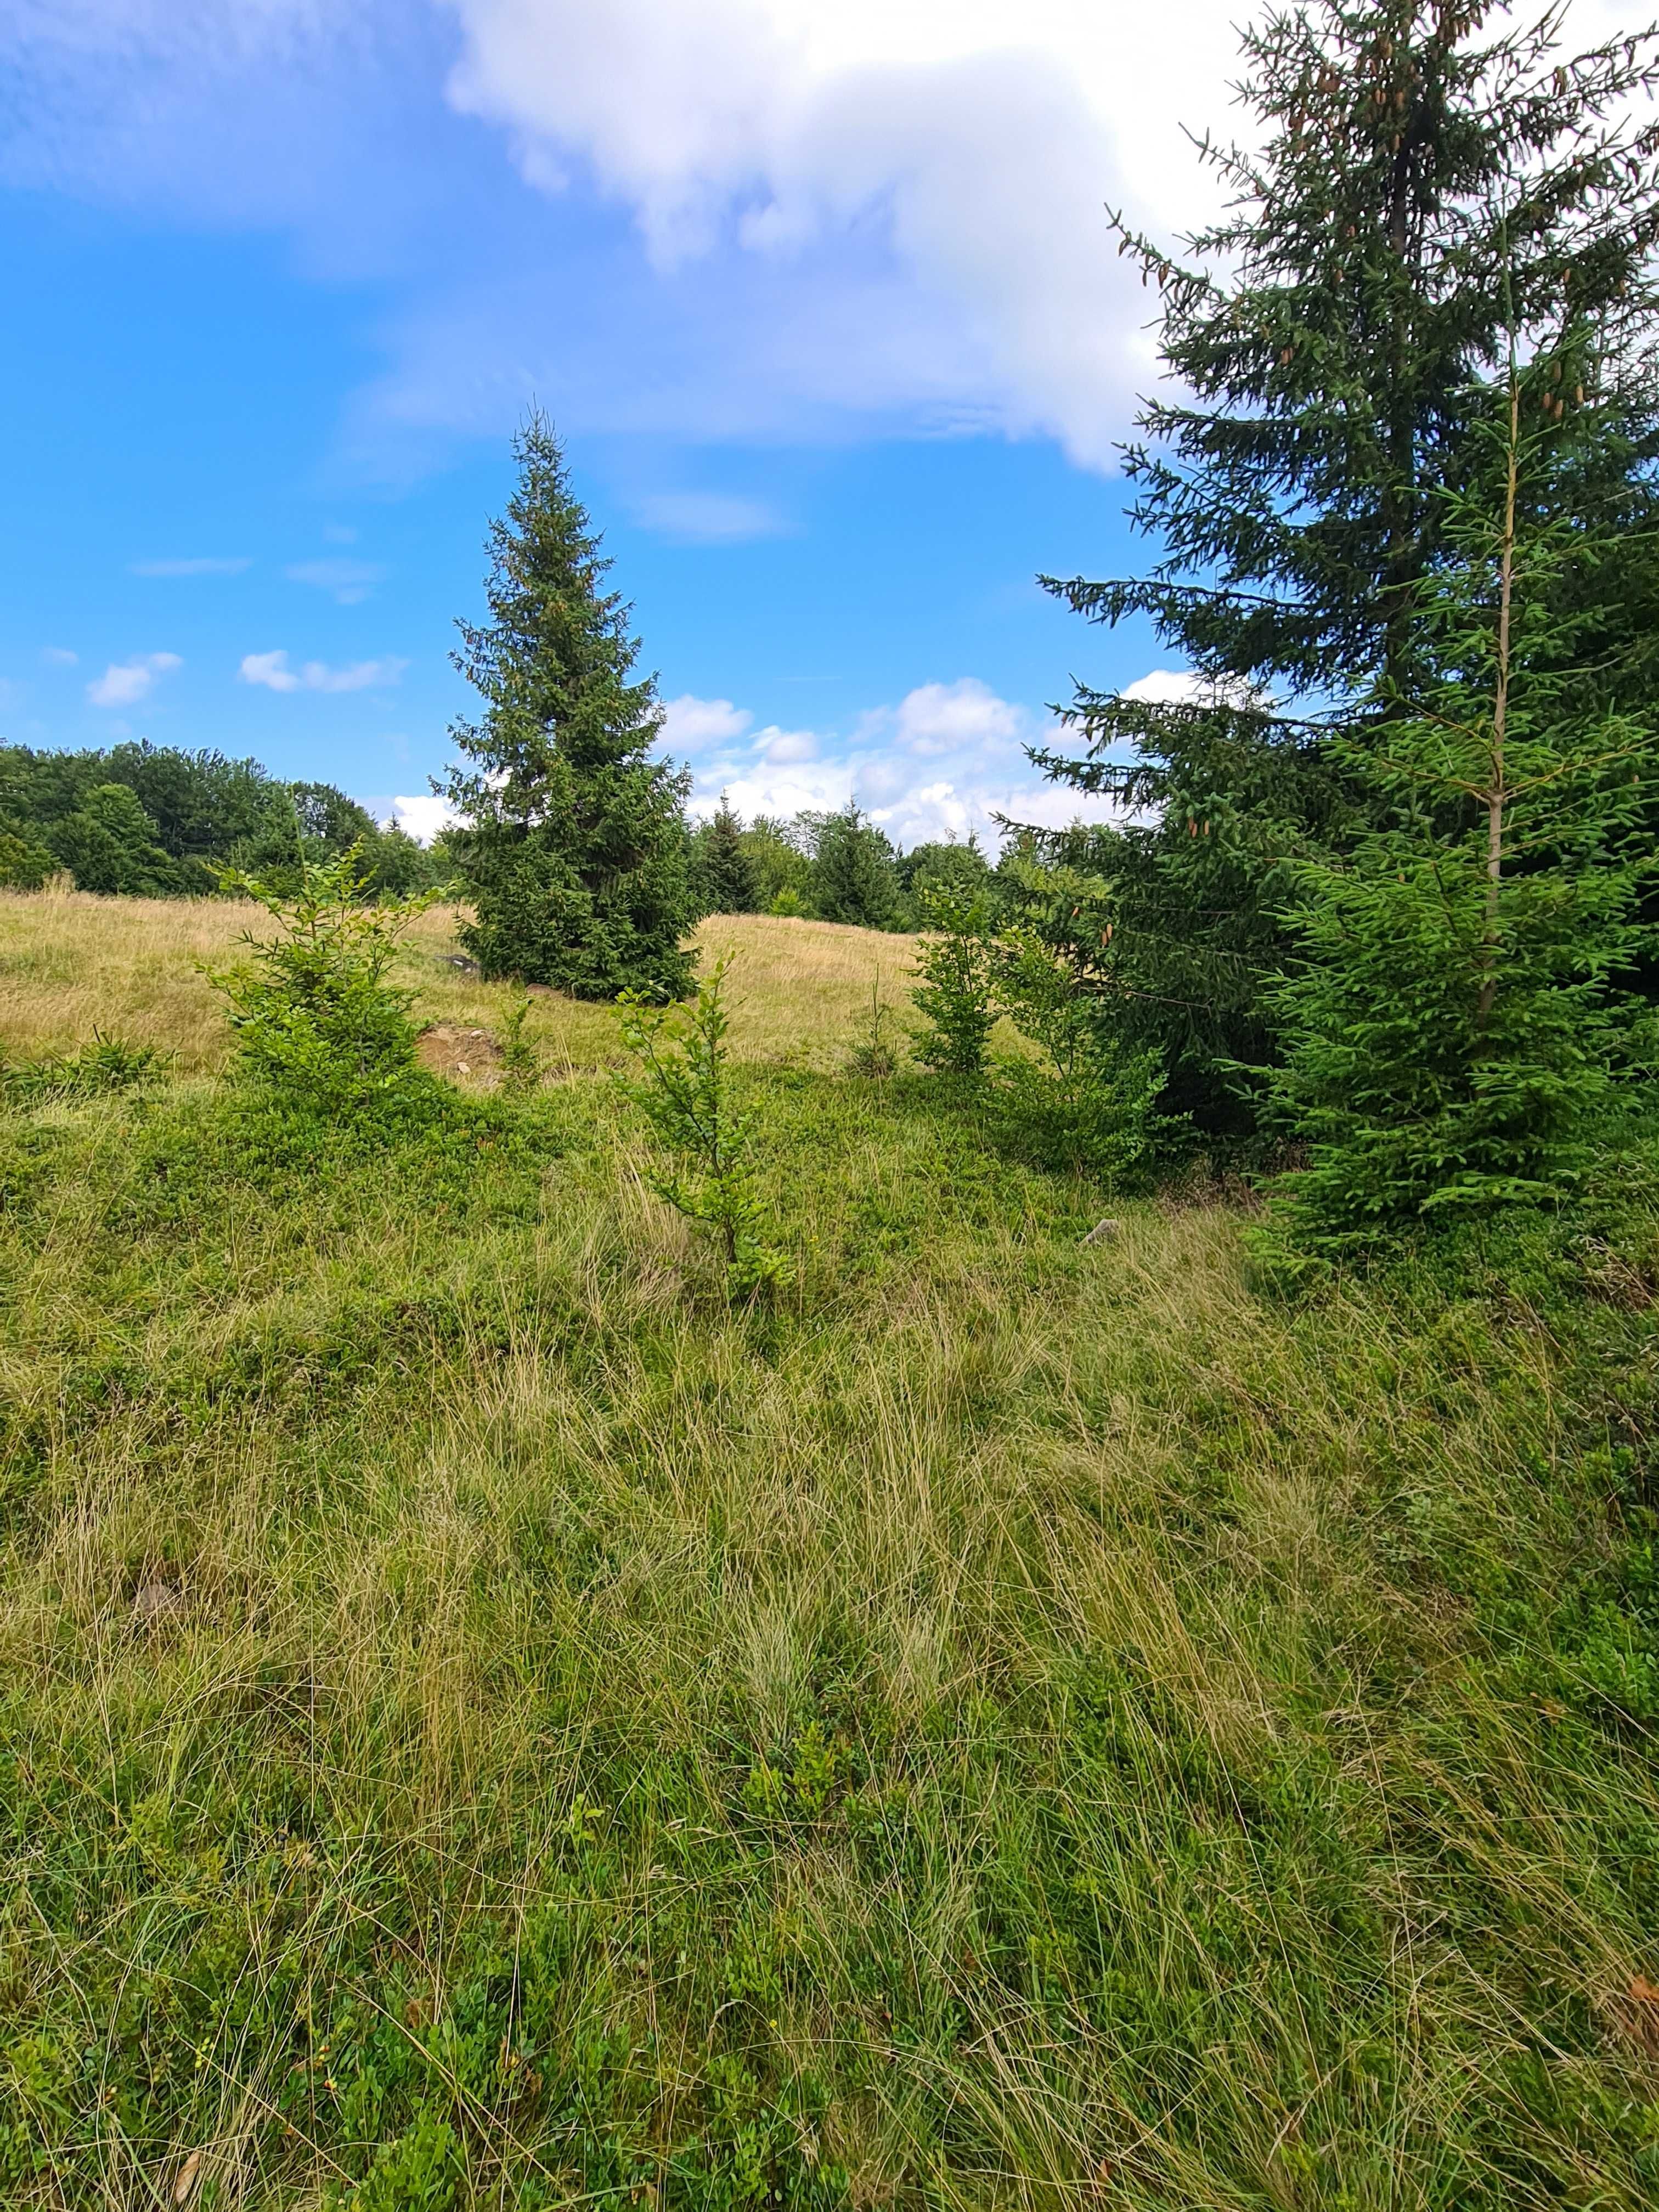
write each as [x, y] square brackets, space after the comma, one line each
[821, 297]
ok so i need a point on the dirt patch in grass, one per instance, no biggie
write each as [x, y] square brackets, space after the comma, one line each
[459, 1054]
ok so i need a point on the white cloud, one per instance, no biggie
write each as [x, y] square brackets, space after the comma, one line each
[941, 718]
[423, 815]
[59, 656]
[920, 181]
[708, 518]
[689, 725]
[124, 684]
[882, 213]
[271, 669]
[780, 748]
[351, 581]
[209, 566]
[1164, 687]
[941, 763]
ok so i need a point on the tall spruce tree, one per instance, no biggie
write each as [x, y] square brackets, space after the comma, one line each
[1455, 1033]
[1332, 335]
[574, 843]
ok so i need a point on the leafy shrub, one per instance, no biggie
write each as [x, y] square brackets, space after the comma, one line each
[417, 2172]
[316, 1021]
[684, 1091]
[24, 865]
[1089, 1104]
[957, 958]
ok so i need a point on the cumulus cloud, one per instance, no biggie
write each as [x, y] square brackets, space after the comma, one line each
[943, 762]
[885, 209]
[690, 725]
[124, 684]
[708, 518]
[271, 669]
[209, 565]
[935, 170]
[422, 814]
[350, 582]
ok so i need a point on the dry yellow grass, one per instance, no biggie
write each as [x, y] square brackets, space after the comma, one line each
[71, 964]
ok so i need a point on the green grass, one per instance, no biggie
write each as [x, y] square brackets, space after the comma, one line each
[487, 1724]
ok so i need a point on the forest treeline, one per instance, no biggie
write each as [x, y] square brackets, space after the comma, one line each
[153, 822]
[149, 821]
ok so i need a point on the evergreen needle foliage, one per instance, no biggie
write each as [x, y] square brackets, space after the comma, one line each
[105, 1065]
[521, 1066]
[317, 1022]
[574, 847]
[684, 1089]
[1454, 1031]
[1426, 179]
[956, 959]
[728, 880]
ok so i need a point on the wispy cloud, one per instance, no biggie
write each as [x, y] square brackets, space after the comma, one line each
[709, 518]
[350, 581]
[206, 565]
[59, 656]
[271, 669]
[124, 684]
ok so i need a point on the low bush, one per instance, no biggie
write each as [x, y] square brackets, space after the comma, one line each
[316, 1020]
[684, 1089]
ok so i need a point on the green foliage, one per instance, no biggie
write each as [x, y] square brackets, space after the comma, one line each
[108, 844]
[684, 1089]
[953, 867]
[105, 1065]
[855, 875]
[873, 1057]
[149, 821]
[25, 864]
[1422, 180]
[1454, 1031]
[574, 845]
[1328, 332]
[419, 2171]
[729, 880]
[1089, 1104]
[958, 962]
[521, 1066]
[317, 1023]
[782, 864]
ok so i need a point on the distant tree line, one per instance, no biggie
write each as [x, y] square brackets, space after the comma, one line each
[151, 822]
[827, 866]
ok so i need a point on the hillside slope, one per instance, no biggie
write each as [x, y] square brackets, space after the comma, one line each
[485, 1723]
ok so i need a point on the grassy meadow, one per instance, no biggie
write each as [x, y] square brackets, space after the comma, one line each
[486, 1723]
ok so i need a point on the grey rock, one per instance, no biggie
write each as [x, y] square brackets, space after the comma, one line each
[1103, 1232]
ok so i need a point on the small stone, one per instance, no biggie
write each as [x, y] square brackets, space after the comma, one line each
[154, 1600]
[1103, 1232]
[463, 1068]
